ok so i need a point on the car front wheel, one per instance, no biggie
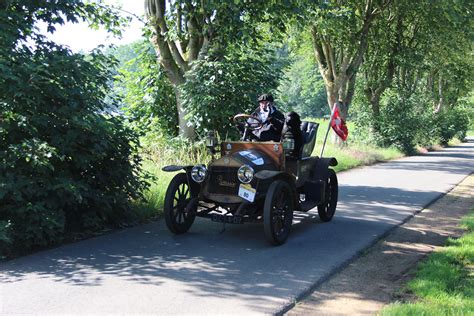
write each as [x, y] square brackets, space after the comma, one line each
[179, 212]
[278, 212]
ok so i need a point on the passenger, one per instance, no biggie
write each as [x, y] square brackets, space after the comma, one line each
[292, 130]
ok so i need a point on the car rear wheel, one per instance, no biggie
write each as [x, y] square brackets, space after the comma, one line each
[327, 208]
[179, 212]
[278, 212]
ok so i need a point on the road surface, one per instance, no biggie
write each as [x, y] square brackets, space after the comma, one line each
[146, 269]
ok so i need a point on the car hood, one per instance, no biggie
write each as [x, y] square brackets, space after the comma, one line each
[254, 158]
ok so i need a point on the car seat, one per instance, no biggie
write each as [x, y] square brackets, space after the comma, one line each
[309, 130]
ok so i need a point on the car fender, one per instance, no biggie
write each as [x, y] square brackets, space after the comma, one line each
[174, 168]
[269, 175]
[194, 186]
[321, 166]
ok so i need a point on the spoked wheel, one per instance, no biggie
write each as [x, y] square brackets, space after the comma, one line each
[327, 209]
[179, 213]
[278, 212]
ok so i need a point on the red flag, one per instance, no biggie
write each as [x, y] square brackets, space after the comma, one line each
[338, 124]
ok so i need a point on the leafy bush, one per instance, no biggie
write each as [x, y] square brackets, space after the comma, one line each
[65, 165]
[399, 121]
[407, 121]
[218, 88]
[450, 123]
[361, 115]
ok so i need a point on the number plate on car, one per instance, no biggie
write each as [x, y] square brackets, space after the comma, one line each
[247, 192]
[235, 219]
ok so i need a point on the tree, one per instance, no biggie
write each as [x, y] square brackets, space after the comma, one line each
[340, 36]
[64, 164]
[415, 40]
[184, 31]
[449, 61]
[148, 96]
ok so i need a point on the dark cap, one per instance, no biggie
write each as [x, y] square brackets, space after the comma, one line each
[265, 97]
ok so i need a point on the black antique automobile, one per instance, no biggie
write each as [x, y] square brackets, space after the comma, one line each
[254, 182]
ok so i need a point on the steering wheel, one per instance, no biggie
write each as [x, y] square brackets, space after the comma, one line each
[250, 122]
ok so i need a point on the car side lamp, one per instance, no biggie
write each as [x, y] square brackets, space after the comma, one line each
[288, 145]
[211, 142]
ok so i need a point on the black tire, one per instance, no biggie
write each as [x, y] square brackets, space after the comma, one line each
[278, 212]
[178, 216]
[327, 209]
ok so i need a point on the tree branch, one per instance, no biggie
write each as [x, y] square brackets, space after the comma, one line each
[318, 49]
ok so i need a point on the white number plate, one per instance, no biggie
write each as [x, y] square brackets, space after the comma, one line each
[247, 192]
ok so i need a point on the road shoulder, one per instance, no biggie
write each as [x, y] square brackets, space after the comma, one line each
[375, 278]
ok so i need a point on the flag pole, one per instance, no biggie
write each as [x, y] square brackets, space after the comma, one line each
[327, 131]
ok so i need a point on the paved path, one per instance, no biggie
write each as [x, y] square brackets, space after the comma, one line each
[147, 270]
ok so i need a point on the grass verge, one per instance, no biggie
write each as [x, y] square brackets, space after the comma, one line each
[351, 154]
[444, 284]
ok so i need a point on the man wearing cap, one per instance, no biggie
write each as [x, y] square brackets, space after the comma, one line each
[271, 118]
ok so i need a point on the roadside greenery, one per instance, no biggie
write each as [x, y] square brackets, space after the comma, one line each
[444, 284]
[65, 164]
[148, 98]
[407, 121]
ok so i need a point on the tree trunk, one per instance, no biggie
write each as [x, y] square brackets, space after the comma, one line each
[185, 129]
[176, 55]
[439, 103]
[339, 67]
[176, 77]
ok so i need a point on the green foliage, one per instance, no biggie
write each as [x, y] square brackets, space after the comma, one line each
[362, 116]
[149, 98]
[302, 88]
[65, 165]
[217, 89]
[398, 122]
[407, 121]
[451, 122]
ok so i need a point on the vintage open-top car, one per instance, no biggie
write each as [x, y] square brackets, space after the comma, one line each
[254, 182]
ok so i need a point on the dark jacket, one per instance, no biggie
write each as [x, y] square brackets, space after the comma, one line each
[292, 130]
[272, 127]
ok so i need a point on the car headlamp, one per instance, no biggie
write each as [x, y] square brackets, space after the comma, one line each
[245, 174]
[198, 173]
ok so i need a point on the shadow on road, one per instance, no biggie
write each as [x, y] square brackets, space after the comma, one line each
[236, 263]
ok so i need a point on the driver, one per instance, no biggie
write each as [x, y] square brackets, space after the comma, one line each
[271, 118]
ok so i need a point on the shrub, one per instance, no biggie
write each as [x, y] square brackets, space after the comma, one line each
[65, 165]
[361, 115]
[398, 122]
[450, 123]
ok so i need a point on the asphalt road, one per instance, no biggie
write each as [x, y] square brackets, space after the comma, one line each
[146, 269]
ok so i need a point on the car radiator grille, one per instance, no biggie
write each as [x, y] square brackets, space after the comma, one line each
[223, 181]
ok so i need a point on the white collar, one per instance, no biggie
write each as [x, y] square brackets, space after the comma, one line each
[271, 109]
